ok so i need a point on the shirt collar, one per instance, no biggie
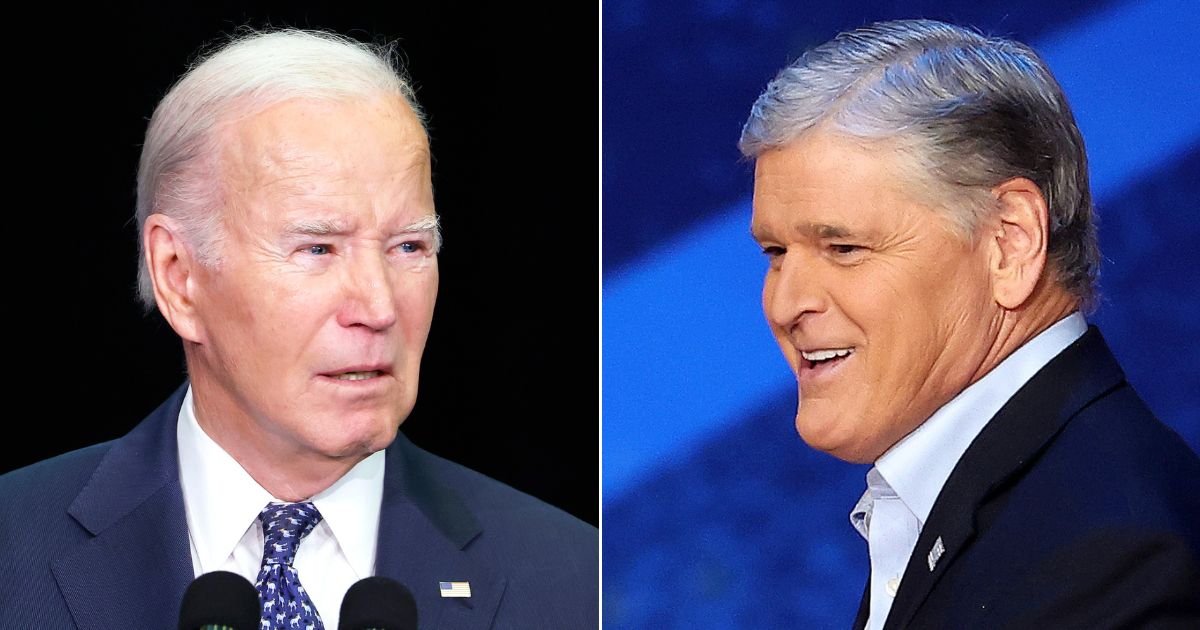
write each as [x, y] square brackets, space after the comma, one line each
[222, 500]
[877, 488]
[351, 507]
[918, 465]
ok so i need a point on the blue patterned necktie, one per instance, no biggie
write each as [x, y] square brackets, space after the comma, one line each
[284, 603]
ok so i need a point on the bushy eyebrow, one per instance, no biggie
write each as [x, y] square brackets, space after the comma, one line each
[331, 227]
[825, 230]
[812, 230]
[316, 227]
[429, 223]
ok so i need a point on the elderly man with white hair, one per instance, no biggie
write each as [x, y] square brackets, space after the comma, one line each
[289, 237]
[921, 195]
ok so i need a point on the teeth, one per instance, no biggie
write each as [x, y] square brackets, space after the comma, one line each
[358, 376]
[822, 355]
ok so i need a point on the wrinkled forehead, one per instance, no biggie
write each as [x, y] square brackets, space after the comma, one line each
[827, 186]
[307, 147]
[828, 168]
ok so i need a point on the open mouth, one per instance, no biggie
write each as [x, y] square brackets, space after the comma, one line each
[818, 362]
[356, 376]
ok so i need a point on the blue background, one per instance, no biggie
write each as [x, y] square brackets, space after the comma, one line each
[715, 513]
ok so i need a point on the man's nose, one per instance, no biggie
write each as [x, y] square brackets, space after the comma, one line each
[792, 291]
[370, 294]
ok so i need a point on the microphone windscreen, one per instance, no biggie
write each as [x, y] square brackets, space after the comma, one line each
[219, 598]
[378, 602]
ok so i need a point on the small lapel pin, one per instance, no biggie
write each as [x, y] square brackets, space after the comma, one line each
[455, 589]
[935, 554]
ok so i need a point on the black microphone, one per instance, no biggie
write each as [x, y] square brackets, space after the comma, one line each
[378, 603]
[219, 601]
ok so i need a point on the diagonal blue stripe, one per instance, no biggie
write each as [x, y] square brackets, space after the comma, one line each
[1130, 74]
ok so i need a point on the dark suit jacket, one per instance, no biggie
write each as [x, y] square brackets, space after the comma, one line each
[1073, 508]
[97, 539]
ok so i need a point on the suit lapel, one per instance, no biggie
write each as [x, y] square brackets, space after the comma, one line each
[424, 531]
[864, 607]
[133, 507]
[1012, 439]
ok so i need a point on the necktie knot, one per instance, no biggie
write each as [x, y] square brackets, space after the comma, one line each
[284, 602]
[284, 526]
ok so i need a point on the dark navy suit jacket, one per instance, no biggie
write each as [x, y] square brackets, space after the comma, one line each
[1073, 508]
[97, 539]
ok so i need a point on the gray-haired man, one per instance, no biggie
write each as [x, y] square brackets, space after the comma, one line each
[921, 193]
[289, 238]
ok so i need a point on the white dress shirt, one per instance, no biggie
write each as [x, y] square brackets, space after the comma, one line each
[906, 480]
[223, 501]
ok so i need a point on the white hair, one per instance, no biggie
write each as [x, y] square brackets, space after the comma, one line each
[178, 174]
[966, 111]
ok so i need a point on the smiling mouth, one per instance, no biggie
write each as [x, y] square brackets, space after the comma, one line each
[818, 362]
[819, 356]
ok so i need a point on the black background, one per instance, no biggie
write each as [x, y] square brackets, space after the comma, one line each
[509, 382]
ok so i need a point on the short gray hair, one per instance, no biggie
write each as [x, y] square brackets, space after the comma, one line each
[970, 111]
[178, 174]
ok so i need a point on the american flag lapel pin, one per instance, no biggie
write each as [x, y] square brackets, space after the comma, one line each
[935, 554]
[455, 589]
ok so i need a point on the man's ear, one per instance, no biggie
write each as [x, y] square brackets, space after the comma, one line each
[1020, 233]
[172, 271]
